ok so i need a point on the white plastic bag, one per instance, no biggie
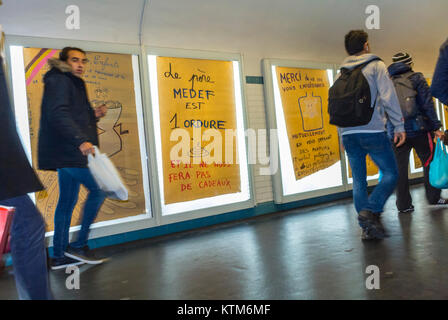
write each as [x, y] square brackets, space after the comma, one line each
[107, 176]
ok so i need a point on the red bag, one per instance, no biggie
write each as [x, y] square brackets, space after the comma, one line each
[6, 215]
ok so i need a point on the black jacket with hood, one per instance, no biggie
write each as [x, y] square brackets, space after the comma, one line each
[67, 119]
[424, 101]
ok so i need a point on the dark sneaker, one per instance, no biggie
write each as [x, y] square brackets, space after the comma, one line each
[408, 210]
[366, 235]
[64, 262]
[371, 224]
[82, 254]
[441, 202]
[379, 225]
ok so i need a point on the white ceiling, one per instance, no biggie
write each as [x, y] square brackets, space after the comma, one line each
[289, 29]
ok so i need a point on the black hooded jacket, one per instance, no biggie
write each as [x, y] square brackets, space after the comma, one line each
[424, 100]
[67, 119]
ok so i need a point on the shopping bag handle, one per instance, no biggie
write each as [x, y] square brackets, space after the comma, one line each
[442, 145]
[97, 152]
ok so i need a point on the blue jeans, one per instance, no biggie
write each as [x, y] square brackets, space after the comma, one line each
[28, 251]
[378, 146]
[70, 180]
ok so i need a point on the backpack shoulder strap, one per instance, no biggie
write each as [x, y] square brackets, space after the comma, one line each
[407, 77]
[408, 74]
[345, 70]
[366, 63]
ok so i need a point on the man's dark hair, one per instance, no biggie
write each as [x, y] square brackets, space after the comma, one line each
[63, 55]
[355, 40]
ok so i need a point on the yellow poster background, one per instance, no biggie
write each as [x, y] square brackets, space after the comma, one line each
[417, 162]
[313, 141]
[196, 95]
[109, 79]
[371, 167]
[2, 44]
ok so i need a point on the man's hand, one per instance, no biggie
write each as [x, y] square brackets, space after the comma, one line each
[86, 148]
[438, 134]
[100, 111]
[399, 138]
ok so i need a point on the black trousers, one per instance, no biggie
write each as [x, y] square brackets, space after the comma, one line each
[424, 146]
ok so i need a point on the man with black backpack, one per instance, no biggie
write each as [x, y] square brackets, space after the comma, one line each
[421, 125]
[358, 102]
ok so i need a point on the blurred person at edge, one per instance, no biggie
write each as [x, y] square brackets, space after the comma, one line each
[439, 86]
[17, 179]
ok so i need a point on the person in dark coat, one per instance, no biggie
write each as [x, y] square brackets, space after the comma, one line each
[67, 134]
[17, 179]
[420, 131]
[439, 86]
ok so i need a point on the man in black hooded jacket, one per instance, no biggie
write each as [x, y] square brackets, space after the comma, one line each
[67, 134]
[420, 131]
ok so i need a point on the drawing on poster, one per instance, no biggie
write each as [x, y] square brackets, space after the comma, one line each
[311, 112]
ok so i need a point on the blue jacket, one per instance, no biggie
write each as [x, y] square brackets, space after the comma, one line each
[424, 100]
[439, 87]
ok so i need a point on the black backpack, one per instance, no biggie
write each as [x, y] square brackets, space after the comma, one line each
[349, 99]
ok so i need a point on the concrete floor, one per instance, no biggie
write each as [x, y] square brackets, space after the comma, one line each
[308, 253]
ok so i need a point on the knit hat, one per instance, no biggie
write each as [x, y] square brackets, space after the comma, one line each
[402, 57]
